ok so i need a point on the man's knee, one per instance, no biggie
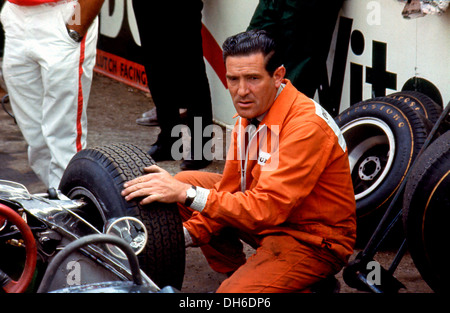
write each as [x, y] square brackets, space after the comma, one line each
[198, 178]
[281, 264]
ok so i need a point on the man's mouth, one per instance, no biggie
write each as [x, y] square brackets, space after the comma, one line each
[245, 103]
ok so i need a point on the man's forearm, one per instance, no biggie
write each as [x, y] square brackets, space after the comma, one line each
[88, 10]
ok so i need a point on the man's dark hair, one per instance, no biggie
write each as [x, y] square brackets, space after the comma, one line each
[250, 42]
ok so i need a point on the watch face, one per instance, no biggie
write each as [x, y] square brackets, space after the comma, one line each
[74, 35]
[191, 193]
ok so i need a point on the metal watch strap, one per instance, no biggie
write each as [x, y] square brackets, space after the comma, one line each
[74, 35]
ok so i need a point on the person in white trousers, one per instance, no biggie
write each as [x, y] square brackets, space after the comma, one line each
[49, 56]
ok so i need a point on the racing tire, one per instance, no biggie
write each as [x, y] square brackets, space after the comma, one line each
[420, 103]
[97, 176]
[425, 87]
[383, 138]
[426, 212]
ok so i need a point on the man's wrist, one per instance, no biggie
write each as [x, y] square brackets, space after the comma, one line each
[200, 200]
[75, 33]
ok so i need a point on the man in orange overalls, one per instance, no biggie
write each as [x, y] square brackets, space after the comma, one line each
[286, 187]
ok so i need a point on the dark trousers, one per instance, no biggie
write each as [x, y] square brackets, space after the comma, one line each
[172, 55]
[303, 30]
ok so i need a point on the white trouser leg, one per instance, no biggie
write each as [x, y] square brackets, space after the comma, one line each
[28, 117]
[48, 76]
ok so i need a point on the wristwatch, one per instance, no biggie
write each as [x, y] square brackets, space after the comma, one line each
[191, 193]
[74, 35]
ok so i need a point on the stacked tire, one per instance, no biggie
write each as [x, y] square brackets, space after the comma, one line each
[384, 135]
[426, 198]
[426, 210]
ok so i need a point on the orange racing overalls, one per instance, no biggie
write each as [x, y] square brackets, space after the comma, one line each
[290, 191]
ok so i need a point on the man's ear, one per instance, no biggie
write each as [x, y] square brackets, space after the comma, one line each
[278, 75]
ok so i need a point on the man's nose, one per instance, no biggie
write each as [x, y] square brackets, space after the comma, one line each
[243, 88]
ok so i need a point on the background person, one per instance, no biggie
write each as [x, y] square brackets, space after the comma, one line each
[172, 55]
[303, 29]
[49, 56]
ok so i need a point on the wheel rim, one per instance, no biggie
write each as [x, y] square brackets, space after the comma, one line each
[93, 210]
[371, 150]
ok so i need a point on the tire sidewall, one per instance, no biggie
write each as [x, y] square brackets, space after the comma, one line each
[425, 185]
[420, 103]
[403, 134]
[83, 171]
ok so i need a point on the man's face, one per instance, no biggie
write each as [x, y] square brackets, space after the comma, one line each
[251, 87]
